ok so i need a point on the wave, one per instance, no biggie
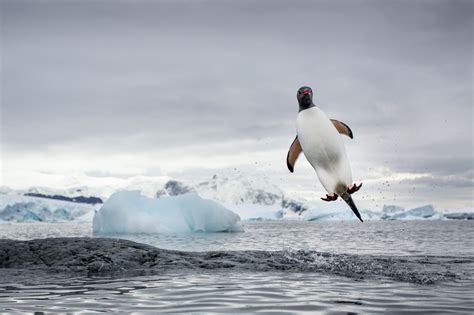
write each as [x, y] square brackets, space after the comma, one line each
[106, 256]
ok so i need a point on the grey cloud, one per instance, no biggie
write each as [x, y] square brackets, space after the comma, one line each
[170, 74]
[101, 69]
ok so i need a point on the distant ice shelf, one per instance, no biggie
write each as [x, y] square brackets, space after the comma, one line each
[18, 208]
[130, 212]
[339, 212]
[253, 198]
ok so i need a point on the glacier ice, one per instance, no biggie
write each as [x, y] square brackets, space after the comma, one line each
[18, 208]
[339, 212]
[131, 212]
[424, 212]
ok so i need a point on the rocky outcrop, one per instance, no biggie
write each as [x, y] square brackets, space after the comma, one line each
[459, 216]
[78, 199]
[174, 188]
[92, 255]
[104, 256]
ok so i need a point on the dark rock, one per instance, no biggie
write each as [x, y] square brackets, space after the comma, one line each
[264, 198]
[460, 216]
[106, 256]
[174, 188]
[78, 199]
[295, 206]
[92, 255]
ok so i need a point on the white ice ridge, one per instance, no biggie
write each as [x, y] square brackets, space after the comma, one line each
[130, 212]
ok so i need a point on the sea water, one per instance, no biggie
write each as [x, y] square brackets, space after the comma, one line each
[431, 263]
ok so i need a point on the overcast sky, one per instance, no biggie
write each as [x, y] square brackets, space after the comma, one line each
[113, 89]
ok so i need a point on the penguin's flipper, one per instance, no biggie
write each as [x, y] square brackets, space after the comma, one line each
[342, 128]
[293, 153]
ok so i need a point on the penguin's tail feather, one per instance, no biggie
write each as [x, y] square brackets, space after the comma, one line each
[348, 199]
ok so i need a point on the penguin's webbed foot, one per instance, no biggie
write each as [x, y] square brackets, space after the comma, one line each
[330, 197]
[354, 188]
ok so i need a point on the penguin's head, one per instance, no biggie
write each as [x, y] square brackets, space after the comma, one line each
[305, 97]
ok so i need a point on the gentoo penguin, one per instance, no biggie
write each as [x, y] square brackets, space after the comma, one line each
[318, 137]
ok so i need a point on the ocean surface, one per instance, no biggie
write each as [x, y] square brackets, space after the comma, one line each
[328, 267]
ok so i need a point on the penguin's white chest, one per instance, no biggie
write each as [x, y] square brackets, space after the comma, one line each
[324, 149]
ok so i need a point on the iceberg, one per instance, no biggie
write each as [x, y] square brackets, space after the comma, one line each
[131, 212]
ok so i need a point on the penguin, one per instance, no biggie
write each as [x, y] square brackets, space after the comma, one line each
[318, 137]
